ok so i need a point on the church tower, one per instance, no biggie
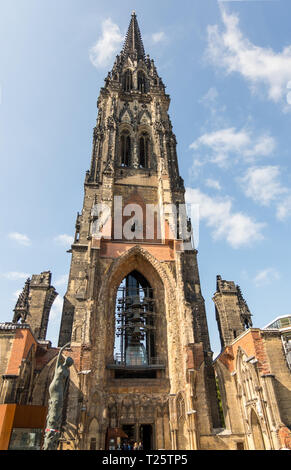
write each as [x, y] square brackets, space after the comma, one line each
[133, 312]
[232, 312]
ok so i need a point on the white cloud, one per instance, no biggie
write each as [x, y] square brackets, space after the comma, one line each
[64, 239]
[260, 66]
[56, 310]
[213, 184]
[262, 184]
[15, 276]
[102, 53]
[236, 228]
[61, 280]
[210, 101]
[263, 146]
[289, 93]
[284, 208]
[158, 37]
[20, 238]
[228, 142]
[210, 97]
[266, 276]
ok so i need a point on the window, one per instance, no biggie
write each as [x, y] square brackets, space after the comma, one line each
[219, 400]
[240, 446]
[134, 333]
[93, 443]
[25, 439]
[127, 81]
[285, 322]
[144, 143]
[141, 82]
[125, 149]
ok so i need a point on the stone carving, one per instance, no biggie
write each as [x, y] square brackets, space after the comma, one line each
[57, 392]
[133, 106]
[22, 305]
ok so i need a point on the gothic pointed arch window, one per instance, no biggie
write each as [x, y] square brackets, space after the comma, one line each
[144, 150]
[182, 432]
[141, 82]
[93, 434]
[134, 322]
[125, 149]
[258, 438]
[127, 81]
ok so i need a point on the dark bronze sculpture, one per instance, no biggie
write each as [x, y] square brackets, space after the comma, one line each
[57, 393]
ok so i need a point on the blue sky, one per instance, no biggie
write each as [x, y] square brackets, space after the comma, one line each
[227, 68]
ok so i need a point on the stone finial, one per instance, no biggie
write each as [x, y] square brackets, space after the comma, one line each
[22, 305]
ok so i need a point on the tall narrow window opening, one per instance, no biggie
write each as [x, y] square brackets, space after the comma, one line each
[135, 326]
[125, 149]
[127, 81]
[141, 82]
[144, 145]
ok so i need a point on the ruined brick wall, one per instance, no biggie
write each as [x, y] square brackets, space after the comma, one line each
[281, 372]
[135, 112]
[232, 313]
[6, 344]
[256, 387]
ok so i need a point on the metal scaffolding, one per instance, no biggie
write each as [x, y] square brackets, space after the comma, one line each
[135, 325]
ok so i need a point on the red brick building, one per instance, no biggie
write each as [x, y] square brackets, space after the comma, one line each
[253, 373]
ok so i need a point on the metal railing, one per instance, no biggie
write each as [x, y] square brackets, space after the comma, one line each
[120, 360]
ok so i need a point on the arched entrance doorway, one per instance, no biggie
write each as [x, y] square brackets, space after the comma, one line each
[134, 320]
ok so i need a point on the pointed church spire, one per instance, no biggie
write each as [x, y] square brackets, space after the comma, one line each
[133, 42]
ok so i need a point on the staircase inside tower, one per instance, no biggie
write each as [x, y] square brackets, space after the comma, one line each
[135, 349]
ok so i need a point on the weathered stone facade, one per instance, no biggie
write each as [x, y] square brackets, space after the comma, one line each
[253, 375]
[133, 116]
[34, 303]
[255, 384]
[133, 311]
[232, 313]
